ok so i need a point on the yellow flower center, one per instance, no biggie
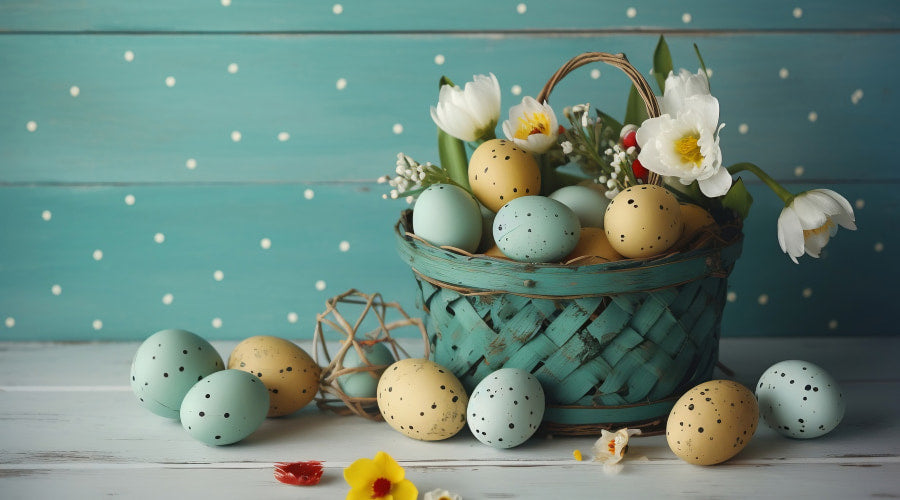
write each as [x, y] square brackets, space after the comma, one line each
[537, 123]
[689, 150]
[824, 228]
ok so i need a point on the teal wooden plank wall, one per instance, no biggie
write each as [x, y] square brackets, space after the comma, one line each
[211, 165]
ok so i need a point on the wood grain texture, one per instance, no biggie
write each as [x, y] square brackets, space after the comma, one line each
[466, 15]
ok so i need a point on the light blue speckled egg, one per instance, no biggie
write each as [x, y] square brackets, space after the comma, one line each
[506, 408]
[799, 399]
[447, 215]
[225, 407]
[588, 204]
[167, 365]
[364, 384]
[536, 229]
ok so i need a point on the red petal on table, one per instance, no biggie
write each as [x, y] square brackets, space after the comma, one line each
[299, 473]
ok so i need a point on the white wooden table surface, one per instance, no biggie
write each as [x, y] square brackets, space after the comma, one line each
[71, 428]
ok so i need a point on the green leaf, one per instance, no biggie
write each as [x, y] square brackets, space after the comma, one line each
[610, 122]
[738, 199]
[452, 152]
[662, 63]
[702, 64]
[635, 110]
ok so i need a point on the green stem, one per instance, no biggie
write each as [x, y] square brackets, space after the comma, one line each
[785, 195]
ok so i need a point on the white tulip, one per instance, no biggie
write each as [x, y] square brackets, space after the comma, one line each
[469, 113]
[532, 126]
[809, 221]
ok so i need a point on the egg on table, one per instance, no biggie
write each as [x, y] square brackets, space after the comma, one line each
[506, 408]
[422, 400]
[286, 370]
[643, 221]
[225, 407]
[800, 399]
[536, 229]
[165, 367]
[500, 171]
[447, 215]
[712, 422]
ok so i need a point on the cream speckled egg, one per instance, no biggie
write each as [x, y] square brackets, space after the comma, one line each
[643, 221]
[593, 248]
[695, 219]
[288, 372]
[422, 400]
[500, 171]
[712, 422]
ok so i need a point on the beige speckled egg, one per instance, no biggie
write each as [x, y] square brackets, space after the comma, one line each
[287, 371]
[422, 399]
[593, 248]
[500, 171]
[712, 422]
[643, 221]
[695, 219]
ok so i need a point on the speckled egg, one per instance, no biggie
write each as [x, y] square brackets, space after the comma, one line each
[712, 422]
[500, 171]
[364, 384]
[421, 399]
[165, 367]
[536, 229]
[695, 219]
[288, 372]
[593, 248]
[800, 399]
[225, 407]
[447, 215]
[643, 221]
[506, 408]
[588, 204]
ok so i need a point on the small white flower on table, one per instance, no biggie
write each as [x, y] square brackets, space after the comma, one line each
[611, 448]
[440, 494]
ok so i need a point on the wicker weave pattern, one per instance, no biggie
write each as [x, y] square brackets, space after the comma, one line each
[594, 351]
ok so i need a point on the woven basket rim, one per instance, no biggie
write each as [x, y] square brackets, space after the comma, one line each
[478, 274]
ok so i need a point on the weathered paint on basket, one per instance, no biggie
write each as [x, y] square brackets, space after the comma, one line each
[612, 344]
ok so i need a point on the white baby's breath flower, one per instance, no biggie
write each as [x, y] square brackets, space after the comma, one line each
[469, 113]
[566, 147]
[532, 126]
[439, 494]
[809, 221]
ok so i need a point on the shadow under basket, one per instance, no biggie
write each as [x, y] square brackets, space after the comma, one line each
[614, 345]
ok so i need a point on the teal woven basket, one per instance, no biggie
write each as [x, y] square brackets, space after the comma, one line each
[614, 345]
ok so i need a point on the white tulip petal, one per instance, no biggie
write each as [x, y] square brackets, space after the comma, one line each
[716, 185]
[790, 234]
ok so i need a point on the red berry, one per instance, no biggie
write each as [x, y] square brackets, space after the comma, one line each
[630, 140]
[639, 171]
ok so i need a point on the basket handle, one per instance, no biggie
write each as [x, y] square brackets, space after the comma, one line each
[619, 61]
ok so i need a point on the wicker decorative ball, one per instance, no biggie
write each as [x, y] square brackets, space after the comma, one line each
[365, 349]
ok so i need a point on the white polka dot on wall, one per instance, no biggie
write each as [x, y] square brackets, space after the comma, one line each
[833, 324]
[341, 83]
[337, 9]
[233, 68]
[799, 170]
[439, 59]
[31, 126]
[159, 237]
[56, 290]
[218, 275]
[344, 246]
[191, 163]
[686, 18]
[10, 322]
[226, 3]
[129, 56]
[860, 204]
[798, 12]
[46, 215]
[265, 243]
[516, 89]
[397, 128]
[743, 128]
[292, 317]
[812, 116]
[763, 299]
[309, 194]
[807, 293]
[74, 91]
[879, 247]
[731, 297]
[129, 199]
[320, 285]
[856, 96]
[97, 324]
[709, 72]
[283, 136]
[631, 12]
[236, 136]
[521, 8]
[595, 74]
[783, 73]
[168, 298]
[98, 254]
[170, 81]
[216, 322]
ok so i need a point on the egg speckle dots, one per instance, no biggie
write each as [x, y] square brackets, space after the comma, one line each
[506, 408]
[712, 422]
[422, 400]
[286, 370]
[167, 365]
[225, 407]
[536, 229]
[800, 399]
[500, 171]
[643, 221]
